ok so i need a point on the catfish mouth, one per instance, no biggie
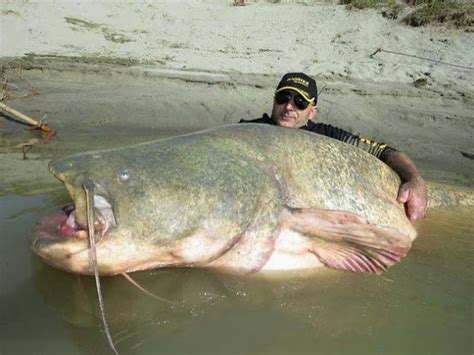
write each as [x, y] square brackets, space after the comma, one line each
[65, 225]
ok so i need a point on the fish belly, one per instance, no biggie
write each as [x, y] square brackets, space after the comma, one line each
[292, 252]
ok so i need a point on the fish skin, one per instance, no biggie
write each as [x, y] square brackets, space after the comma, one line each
[218, 198]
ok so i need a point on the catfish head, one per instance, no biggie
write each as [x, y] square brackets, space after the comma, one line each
[138, 216]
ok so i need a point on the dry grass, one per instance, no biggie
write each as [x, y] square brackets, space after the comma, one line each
[458, 13]
[363, 4]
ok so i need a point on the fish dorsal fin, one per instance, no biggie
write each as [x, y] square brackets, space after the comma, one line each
[346, 241]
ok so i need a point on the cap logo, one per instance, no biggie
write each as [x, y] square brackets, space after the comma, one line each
[299, 81]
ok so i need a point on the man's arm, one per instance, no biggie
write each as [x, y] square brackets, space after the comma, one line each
[412, 191]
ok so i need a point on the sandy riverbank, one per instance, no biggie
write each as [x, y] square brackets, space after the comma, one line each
[132, 72]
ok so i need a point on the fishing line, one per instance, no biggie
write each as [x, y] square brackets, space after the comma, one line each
[418, 57]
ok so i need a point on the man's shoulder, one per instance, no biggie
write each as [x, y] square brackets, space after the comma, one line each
[264, 119]
[255, 120]
[321, 128]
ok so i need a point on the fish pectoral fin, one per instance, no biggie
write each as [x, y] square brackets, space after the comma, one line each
[346, 241]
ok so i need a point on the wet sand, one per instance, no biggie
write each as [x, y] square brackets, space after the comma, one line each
[120, 106]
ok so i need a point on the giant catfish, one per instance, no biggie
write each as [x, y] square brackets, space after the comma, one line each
[238, 198]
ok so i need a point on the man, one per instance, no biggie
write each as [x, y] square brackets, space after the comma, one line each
[295, 106]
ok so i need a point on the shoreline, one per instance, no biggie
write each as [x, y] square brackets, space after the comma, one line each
[154, 69]
[96, 107]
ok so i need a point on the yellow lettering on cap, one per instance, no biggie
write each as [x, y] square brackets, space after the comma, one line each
[299, 81]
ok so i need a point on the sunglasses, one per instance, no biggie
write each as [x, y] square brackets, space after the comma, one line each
[285, 96]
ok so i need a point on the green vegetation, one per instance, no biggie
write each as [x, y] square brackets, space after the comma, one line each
[459, 13]
[109, 35]
[362, 4]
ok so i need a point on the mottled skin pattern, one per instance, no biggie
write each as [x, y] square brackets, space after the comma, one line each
[218, 197]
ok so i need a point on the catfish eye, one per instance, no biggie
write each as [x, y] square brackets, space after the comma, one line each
[124, 176]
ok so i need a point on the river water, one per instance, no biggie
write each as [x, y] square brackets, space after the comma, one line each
[423, 305]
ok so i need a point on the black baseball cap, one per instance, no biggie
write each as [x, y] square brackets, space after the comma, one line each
[302, 84]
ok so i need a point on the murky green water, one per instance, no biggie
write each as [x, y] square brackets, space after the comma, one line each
[423, 305]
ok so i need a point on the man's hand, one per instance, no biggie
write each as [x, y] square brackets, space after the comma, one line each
[413, 194]
[412, 191]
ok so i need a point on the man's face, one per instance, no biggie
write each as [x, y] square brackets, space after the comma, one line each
[288, 114]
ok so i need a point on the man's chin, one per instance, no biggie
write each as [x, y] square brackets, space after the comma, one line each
[287, 122]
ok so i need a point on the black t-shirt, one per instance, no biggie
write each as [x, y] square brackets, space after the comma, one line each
[380, 150]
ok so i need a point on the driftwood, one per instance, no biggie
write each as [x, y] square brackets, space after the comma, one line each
[47, 131]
